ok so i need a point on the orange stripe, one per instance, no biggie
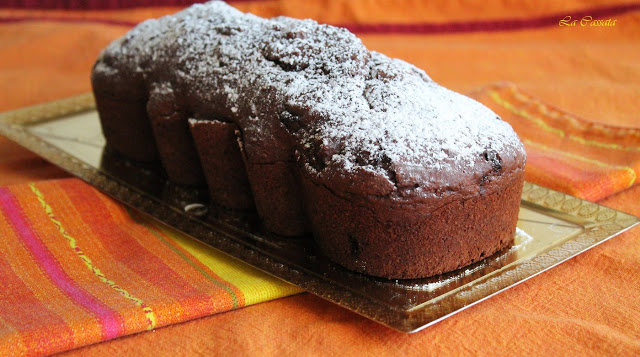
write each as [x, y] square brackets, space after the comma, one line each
[10, 339]
[567, 153]
[37, 325]
[42, 288]
[558, 173]
[571, 123]
[223, 298]
[21, 309]
[92, 246]
[237, 294]
[88, 262]
[125, 248]
[110, 321]
[534, 128]
[627, 172]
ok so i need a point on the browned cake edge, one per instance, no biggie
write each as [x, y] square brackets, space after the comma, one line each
[405, 241]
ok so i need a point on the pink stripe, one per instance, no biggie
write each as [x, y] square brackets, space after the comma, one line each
[99, 4]
[497, 25]
[13, 19]
[110, 320]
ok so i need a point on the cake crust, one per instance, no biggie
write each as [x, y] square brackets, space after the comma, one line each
[403, 241]
[335, 139]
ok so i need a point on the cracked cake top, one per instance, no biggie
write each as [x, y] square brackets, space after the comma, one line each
[299, 89]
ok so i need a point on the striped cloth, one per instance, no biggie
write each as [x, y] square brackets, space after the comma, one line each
[79, 268]
[565, 152]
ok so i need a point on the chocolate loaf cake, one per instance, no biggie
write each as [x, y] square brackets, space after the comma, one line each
[394, 175]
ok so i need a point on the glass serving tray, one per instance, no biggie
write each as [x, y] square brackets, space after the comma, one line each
[553, 227]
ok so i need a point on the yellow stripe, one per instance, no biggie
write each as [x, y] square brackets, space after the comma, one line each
[157, 232]
[607, 130]
[255, 285]
[630, 170]
[543, 108]
[148, 311]
[523, 113]
[548, 128]
[576, 123]
[602, 145]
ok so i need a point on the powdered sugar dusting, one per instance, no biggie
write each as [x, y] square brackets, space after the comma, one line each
[349, 109]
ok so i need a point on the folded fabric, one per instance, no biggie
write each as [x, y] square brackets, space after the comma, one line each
[564, 152]
[79, 268]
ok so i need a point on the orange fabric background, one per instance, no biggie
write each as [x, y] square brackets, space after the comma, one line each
[588, 305]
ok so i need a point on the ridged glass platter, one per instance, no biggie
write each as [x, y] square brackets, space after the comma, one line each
[553, 227]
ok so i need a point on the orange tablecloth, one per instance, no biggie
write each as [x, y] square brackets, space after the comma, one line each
[588, 305]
